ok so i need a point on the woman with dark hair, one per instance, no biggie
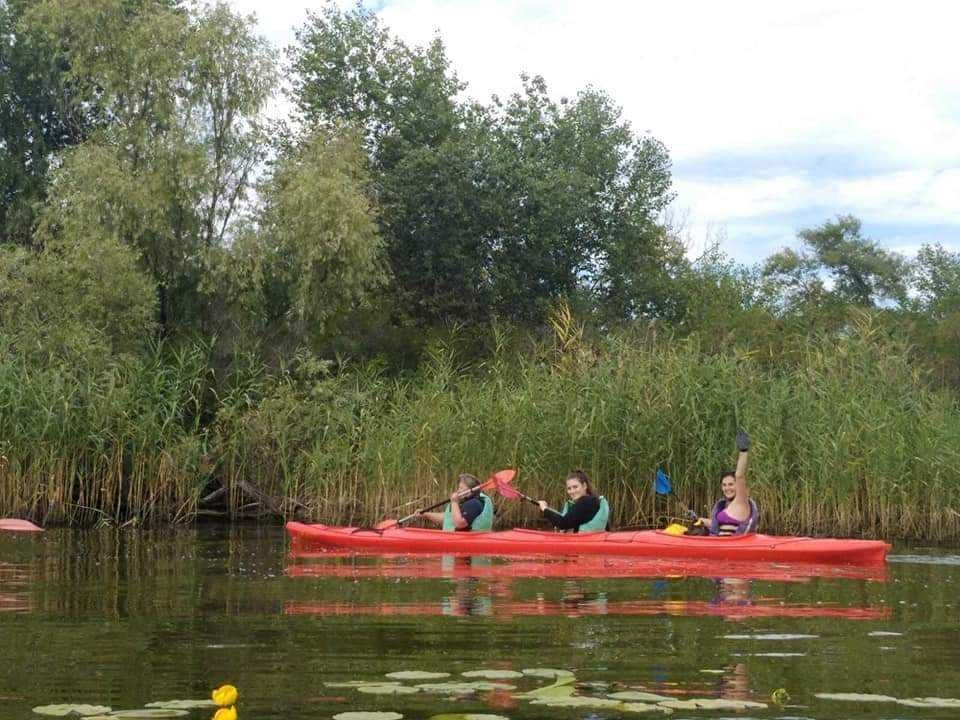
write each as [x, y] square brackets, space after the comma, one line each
[735, 513]
[583, 512]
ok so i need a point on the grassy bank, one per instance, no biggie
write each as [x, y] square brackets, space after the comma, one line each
[848, 438]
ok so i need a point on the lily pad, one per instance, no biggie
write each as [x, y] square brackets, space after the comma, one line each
[365, 715]
[931, 702]
[546, 673]
[64, 710]
[855, 697]
[181, 704]
[636, 707]
[359, 683]
[390, 689]
[772, 636]
[561, 688]
[467, 716]
[463, 688]
[416, 675]
[150, 713]
[711, 704]
[884, 633]
[637, 696]
[580, 701]
[493, 674]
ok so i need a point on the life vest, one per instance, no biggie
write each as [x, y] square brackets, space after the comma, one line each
[598, 522]
[483, 521]
[742, 528]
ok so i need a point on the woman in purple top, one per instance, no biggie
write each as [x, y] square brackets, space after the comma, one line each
[735, 513]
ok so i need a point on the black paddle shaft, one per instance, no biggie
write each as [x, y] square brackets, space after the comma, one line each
[411, 516]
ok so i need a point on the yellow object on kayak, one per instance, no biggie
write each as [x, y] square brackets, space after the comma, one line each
[675, 529]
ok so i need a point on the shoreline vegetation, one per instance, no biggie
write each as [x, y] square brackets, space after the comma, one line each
[208, 312]
[847, 440]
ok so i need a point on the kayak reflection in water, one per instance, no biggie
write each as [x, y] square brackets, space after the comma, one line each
[735, 513]
[583, 512]
[475, 512]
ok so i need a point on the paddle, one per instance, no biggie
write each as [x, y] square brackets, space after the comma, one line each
[498, 480]
[511, 493]
[663, 486]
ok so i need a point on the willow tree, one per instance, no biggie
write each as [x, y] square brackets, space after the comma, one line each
[182, 96]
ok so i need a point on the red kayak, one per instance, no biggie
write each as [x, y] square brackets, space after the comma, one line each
[640, 543]
[14, 525]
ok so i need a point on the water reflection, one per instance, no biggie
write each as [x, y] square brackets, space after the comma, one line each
[356, 565]
[125, 617]
[14, 583]
[484, 586]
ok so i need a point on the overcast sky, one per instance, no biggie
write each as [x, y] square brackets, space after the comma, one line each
[778, 115]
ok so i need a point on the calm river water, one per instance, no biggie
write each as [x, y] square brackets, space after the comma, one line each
[125, 618]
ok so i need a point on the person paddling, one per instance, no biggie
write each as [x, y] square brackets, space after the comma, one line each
[473, 512]
[735, 513]
[583, 512]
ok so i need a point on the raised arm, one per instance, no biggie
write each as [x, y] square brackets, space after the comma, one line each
[743, 492]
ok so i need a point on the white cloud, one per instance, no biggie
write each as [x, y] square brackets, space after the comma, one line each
[875, 79]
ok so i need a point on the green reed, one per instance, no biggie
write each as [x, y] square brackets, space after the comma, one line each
[849, 439]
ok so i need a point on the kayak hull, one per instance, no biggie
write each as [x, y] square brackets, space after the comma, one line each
[15, 525]
[641, 543]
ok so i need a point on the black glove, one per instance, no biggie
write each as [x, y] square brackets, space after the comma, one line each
[743, 441]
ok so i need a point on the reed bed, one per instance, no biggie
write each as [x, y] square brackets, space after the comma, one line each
[849, 439]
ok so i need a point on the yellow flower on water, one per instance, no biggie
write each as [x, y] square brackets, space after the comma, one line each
[224, 696]
[223, 713]
[780, 696]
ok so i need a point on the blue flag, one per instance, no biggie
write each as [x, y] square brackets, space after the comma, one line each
[662, 483]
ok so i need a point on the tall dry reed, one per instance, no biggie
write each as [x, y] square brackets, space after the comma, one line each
[849, 439]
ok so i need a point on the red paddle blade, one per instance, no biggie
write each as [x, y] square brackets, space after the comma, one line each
[508, 492]
[503, 477]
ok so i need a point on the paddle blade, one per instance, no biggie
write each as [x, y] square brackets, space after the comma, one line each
[504, 489]
[503, 476]
[662, 483]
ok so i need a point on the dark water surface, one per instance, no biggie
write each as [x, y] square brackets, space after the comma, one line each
[123, 618]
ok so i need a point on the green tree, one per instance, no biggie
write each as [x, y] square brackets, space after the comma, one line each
[184, 94]
[936, 280]
[41, 113]
[318, 240]
[579, 197]
[489, 210]
[77, 300]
